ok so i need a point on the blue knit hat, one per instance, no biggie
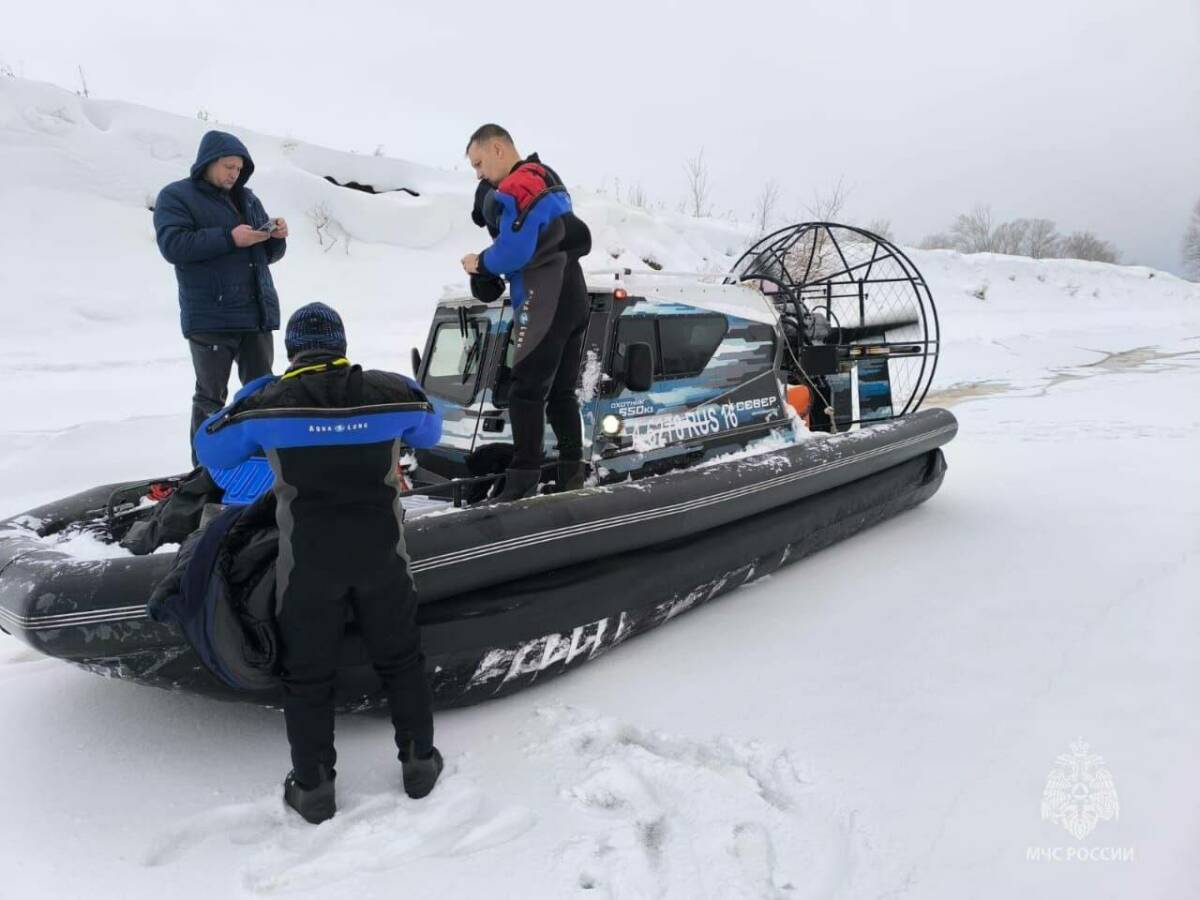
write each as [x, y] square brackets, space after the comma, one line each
[315, 326]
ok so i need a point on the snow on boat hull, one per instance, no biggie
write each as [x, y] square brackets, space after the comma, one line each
[517, 593]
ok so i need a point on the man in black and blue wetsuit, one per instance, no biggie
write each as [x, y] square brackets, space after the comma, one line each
[537, 244]
[333, 434]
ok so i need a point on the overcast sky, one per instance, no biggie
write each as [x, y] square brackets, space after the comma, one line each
[1083, 111]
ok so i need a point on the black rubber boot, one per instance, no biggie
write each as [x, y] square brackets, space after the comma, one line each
[315, 804]
[518, 484]
[420, 773]
[570, 476]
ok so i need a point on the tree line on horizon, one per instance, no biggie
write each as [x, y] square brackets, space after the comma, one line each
[977, 232]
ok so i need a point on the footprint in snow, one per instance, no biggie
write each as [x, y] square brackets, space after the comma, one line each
[669, 816]
[239, 823]
[373, 832]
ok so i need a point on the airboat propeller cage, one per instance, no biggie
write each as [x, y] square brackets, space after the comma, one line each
[856, 315]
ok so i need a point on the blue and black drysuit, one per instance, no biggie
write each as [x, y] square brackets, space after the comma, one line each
[333, 435]
[538, 242]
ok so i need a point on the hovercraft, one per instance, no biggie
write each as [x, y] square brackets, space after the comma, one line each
[732, 425]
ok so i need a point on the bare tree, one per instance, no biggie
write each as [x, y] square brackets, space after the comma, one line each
[83, 90]
[637, 196]
[827, 205]
[937, 241]
[1086, 245]
[764, 205]
[319, 216]
[329, 229]
[823, 253]
[1043, 240]
[882, 228]
[1191, 244]
[1011, 237]
[698, 189]
[972, 232]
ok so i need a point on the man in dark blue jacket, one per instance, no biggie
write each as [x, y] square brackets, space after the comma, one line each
[333, 434]
[215, 232]
[537, 243]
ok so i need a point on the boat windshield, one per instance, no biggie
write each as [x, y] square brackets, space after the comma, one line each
[454, 361]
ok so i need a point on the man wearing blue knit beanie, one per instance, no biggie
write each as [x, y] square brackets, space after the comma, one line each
[315, 327]
[333, 433]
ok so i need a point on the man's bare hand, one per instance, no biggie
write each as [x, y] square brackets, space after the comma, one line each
[245, 236]
[470, 263]
[281, 229]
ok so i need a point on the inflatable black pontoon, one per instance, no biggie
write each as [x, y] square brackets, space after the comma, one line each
[516, 592]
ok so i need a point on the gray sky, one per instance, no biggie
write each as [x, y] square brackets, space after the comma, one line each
[1083, 111]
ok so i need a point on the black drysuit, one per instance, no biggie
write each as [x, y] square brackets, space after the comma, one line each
[341, 539]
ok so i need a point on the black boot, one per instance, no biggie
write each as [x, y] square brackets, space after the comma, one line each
[420, 772]
[570, 476]
[315, 804]
[518, 484]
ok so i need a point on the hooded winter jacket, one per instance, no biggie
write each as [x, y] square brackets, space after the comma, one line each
[221, 287]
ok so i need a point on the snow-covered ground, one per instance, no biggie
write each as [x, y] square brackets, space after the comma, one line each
[880, 720]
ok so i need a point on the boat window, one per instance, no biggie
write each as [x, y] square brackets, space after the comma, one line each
[454, 361]
[760, 333]
[687, 343]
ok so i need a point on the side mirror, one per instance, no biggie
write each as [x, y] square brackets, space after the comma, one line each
[416, 362]
[639, 367]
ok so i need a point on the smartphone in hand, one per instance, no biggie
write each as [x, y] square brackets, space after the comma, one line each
[268, 226]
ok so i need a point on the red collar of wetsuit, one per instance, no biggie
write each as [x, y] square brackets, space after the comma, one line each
[524, 183]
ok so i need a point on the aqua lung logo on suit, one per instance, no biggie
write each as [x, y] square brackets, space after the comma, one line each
[339, 428]
[1079, 794]
[523, 319]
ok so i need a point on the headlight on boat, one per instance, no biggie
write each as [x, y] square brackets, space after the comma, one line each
[611, 425]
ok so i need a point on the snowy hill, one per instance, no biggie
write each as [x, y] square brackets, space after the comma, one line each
[817, 735]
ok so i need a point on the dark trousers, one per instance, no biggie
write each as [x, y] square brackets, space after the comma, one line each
[213, 356]
[545, 374]
[311, 624]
